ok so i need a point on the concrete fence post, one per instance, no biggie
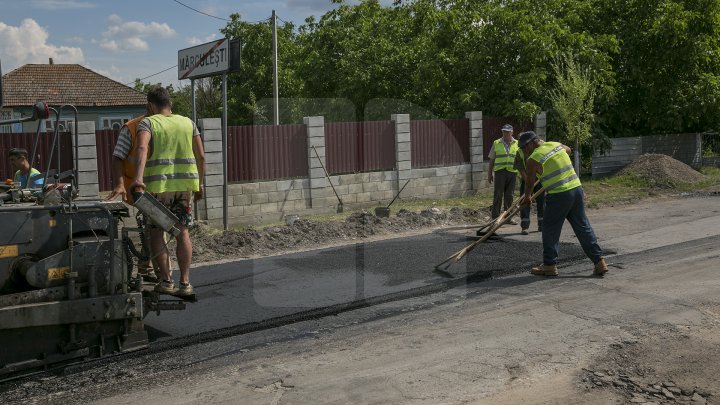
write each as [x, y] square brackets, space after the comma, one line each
[319, 186]
[541, 125]
[403, 154]
[477, 166]
[87, 169]
[211, 131]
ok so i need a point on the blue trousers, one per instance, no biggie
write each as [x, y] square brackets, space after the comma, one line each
[568, 205]
[525, 209]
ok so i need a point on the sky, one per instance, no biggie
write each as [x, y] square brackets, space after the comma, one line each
[127, 39]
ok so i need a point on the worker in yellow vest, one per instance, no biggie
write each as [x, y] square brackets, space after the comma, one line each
[170, 166]
[124, 162]
[501, 172]
[550, 161]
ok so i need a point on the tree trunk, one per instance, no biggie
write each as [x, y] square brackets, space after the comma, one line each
[577, 156]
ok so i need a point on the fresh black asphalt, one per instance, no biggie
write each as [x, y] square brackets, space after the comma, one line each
[282, 287]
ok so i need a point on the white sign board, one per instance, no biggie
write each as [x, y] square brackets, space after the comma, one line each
[204, 60]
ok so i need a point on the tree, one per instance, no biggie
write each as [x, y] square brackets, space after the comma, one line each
[572, 100]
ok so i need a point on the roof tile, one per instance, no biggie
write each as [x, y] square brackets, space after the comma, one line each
[66, 84]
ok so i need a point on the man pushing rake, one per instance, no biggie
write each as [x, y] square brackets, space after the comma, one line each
[548, 162]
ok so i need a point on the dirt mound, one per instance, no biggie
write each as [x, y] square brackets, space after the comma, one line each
[662, 171]
[210, 244]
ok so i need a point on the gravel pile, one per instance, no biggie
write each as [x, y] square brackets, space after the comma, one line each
[662, 171]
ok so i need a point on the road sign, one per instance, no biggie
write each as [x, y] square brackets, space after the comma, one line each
[208, 59]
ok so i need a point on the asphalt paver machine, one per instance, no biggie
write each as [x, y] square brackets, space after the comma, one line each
[68, 291]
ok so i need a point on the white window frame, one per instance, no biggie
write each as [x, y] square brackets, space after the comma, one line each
[66, 123]
[110, 121]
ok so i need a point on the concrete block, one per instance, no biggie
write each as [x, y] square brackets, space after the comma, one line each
[403, 136]
[405, 175]
[284, 185]
[259, 198]
[377, 195]
[269, 208]
[210, 123]
[87, 177]
[214, 180]
[215, 213]
[236, 211]
[214, 157]
[403, 147]
[349, 198]
[421, 182]
[406, 165]
[364, 177]
[215, 202]
[441, 171]
[362, 197]
[429, 190]
[214, 191]
[476, 150]
[453, 170]
[300, 205]
[89, 190]
[268, 186]
[252, 209]
[368, 187]
[250, 188]
[391, 175]
[85, 140]
[293, 195]
[342, 189]
[474, 115]
[241, 199]
[87, 152]
[442, 189]
[388, 194]
[213, 146]
[211, 135]
[347, 179]
[317, 121]
[386, 185]
[316, 136]
[355, 188]
[335, 180]
[320, 182]
[84, 127]
[87, 165]
[276, 196]
[403, 156]
[464, 169]
[400, 118]
[316, 173]
[213, 168]
[479, 167]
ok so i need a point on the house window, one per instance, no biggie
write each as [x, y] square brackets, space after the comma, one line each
[113, 122]
[63, 124]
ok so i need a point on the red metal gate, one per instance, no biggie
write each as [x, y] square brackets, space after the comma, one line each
[353, 147]
[105, 140]
[26, 141]
[440, 142]
[267, 152]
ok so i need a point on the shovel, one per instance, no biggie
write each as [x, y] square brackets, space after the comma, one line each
[327, 176]
[384, 212]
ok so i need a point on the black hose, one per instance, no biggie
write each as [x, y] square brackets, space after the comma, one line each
[140, 218]
[130, 246]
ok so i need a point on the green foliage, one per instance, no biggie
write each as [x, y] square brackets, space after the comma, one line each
[573, 99]
[654, 64]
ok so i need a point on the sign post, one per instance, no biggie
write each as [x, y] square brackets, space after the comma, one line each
[211, 59]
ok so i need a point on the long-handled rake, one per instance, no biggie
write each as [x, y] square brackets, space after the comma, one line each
[501, 220]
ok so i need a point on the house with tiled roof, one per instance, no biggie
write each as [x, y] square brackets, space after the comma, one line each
[97, 98]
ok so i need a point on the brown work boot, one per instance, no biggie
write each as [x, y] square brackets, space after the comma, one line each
[600, 268]
[545, 270]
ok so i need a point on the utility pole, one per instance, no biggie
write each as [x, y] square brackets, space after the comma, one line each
[276, 103]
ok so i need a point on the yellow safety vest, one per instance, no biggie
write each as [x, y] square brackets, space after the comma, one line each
[503, 159]
[172, 166]
[558, 174]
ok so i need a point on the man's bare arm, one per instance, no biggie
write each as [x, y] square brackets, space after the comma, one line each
[143, 140]
[199, 152]
[117, 177]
